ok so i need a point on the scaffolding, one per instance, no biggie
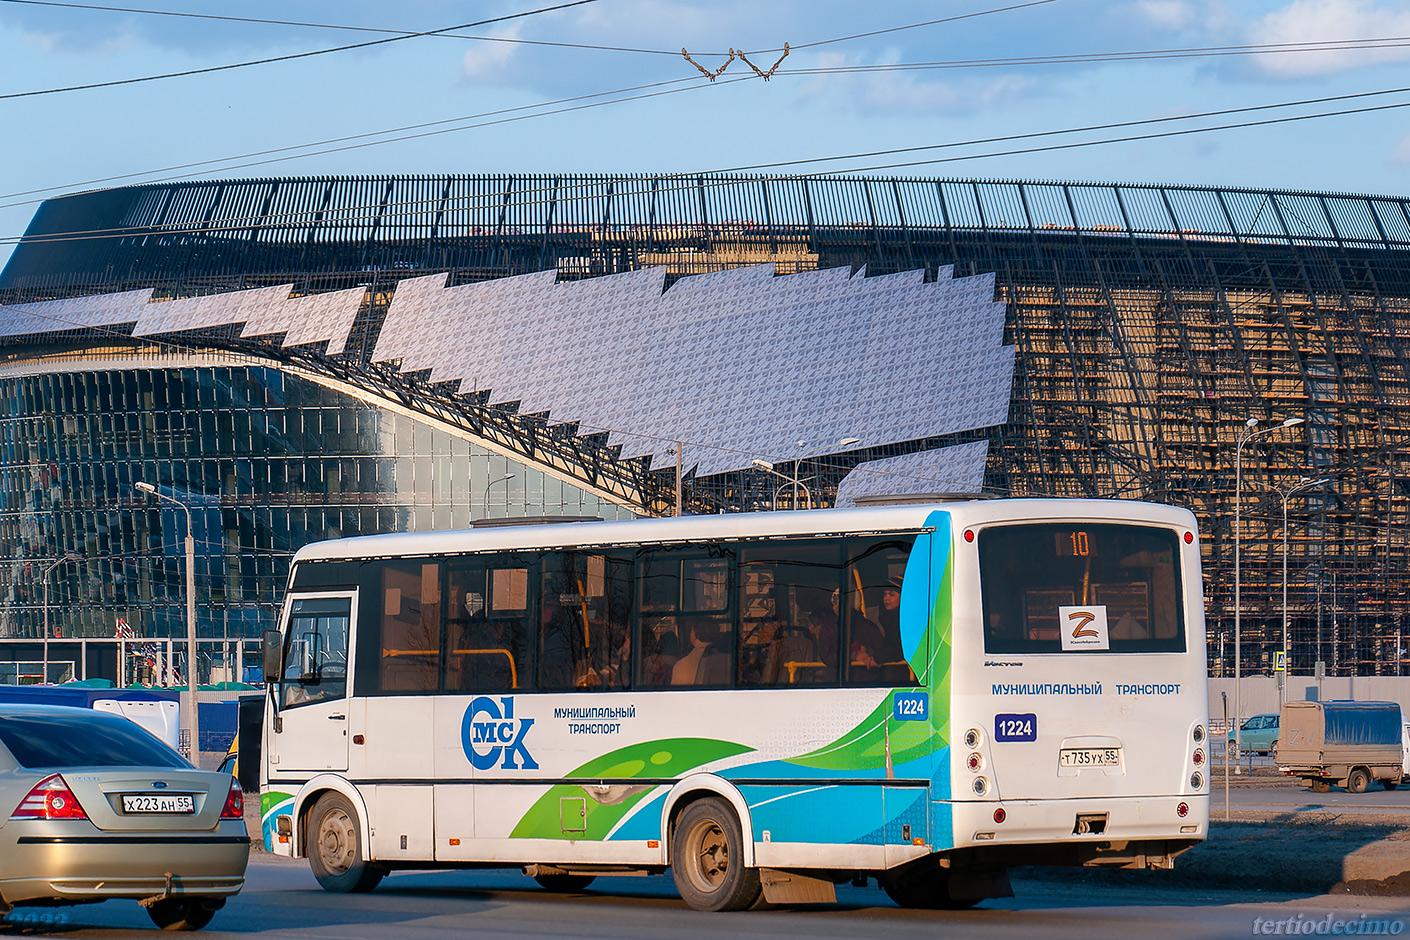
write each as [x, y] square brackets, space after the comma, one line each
[1151, 323]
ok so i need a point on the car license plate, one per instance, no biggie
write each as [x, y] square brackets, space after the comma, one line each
[151, 803]
[1090, 757]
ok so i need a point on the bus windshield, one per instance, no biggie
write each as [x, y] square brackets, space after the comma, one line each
[1073, 587]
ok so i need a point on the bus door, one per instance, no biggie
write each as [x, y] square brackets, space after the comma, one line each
[311, 734]
[916, 712]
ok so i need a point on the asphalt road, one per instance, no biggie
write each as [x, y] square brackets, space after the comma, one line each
[1375, 801]
[281, 900]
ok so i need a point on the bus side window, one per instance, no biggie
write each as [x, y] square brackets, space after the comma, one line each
[585, 621]
[789, 613]
[870, 604]
[411, 627]
[316, 661]
[686, 624]
[490, 631]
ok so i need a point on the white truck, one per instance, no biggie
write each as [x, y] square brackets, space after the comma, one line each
[1348, 744]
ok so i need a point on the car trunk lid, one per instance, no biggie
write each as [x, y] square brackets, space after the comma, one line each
[145, 799]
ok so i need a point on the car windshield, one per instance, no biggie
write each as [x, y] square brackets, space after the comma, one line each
[84, 739]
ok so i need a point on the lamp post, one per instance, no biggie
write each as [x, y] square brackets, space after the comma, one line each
[504, 479]
[1301, 486]
[1247, 434]
[191, 717]
[798, 464]
[67, 558]
[767, 467]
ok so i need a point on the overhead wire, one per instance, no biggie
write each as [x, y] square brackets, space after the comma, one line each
[539, 196]
[216, 164]
[1085, 58]
[344, 27]
[291, 56]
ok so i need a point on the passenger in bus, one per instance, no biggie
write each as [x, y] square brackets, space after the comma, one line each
[824, 625]
[562, 664]
[660, 652]
[701, 665]
[876, 643]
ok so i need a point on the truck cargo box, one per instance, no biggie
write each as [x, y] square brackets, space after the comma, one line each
[1344, 742]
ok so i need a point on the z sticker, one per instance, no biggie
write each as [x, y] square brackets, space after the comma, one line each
[1083, 628]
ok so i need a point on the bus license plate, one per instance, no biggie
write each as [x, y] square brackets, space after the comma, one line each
[145, 803]
[1090, 757]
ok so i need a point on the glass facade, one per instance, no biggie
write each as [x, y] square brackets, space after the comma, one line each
[1150, 322]
[266, 461]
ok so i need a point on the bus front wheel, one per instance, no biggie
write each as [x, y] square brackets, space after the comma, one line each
[707, 859]
[335, 850]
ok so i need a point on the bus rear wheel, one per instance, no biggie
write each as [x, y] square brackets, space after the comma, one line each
[335, 850]
[707, 859]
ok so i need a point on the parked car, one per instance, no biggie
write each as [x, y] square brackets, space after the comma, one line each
[93, 807]
[1259, 734]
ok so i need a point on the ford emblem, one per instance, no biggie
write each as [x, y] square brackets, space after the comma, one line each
[158, 784]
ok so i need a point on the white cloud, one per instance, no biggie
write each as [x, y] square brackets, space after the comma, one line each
[1323, 21]
[490, 59]
[1168, 14]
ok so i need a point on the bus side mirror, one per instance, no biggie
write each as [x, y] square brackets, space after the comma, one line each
[272, 650]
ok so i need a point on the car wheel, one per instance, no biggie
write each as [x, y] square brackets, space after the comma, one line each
[564, 884]
[1321, 786]
[335, 851]
[924, 889]
[707, 859]
[1357, 781]
[180, 913]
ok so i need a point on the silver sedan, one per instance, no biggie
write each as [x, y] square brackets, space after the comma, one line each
[93, 807]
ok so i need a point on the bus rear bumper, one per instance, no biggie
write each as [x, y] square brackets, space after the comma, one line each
[1110, 828]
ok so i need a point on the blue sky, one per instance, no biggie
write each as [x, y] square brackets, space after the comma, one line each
[61, 142]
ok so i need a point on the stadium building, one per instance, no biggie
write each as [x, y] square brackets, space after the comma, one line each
[296, 359]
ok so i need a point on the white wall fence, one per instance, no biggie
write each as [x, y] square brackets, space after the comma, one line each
[1260, 693]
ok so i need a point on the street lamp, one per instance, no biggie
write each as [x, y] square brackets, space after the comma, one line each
[504, 479]
[1301, 486]
[767, 467]
[64, 560]
[191, 716]
[1247, 434]
[798, 464]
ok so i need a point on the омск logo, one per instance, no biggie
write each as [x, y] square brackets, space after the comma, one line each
[487, 731]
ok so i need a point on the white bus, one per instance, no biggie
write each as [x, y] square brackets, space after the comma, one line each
[766, 703]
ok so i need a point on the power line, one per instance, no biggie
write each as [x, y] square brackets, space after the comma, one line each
[291, 56]
[582, 107]
[344, 27]
[1128, 139]
[381, 133]
[335, 140]
[213, 164]
[897, 29]
[234, 223]
[1071, 130]
[1347, 45]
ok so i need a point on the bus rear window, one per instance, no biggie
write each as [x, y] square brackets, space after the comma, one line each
[1053, 588]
